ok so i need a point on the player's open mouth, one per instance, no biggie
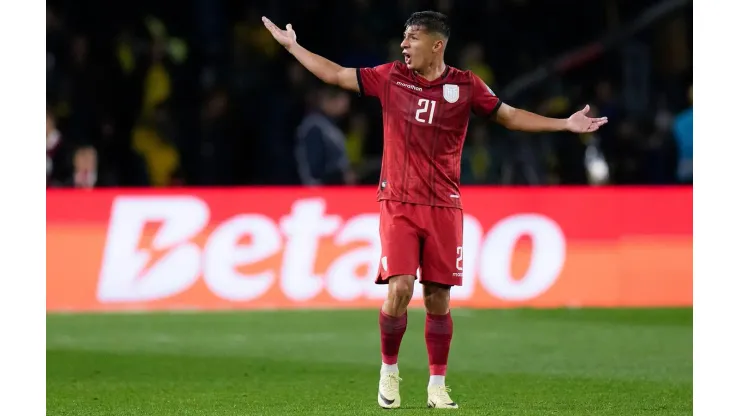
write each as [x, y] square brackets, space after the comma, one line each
[406, 58]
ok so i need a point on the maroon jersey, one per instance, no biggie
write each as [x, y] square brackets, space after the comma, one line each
[424, 127]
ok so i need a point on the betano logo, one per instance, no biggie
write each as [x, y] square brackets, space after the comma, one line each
[243, 257]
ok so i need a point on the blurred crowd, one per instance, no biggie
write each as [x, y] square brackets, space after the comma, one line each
[197, 93]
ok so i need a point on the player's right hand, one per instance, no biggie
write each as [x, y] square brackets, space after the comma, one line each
[286, 37]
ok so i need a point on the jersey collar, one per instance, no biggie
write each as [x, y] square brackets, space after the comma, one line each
[423, 81]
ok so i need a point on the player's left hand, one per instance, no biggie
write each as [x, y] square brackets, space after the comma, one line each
[286, 37]
[579, 122]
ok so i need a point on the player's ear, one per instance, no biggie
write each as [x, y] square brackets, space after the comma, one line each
[438, 45]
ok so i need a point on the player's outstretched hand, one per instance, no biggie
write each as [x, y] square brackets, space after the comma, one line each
[286, 37]
[579, 122]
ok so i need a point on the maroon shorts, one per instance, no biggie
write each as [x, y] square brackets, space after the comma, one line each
[414, 237]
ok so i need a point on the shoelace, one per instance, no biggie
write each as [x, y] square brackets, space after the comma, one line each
[391, 381]
[444, 392]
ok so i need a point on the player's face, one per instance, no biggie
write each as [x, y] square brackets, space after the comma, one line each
[419, 47]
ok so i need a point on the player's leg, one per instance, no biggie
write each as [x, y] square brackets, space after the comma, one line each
[438, 337]
[393, 318]
[441, 269]
[398, 264]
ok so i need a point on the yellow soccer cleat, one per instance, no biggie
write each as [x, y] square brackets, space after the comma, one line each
[439, 397]
[389, 394]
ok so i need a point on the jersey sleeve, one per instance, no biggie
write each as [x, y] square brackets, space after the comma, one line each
[485, 102]
[372, 80]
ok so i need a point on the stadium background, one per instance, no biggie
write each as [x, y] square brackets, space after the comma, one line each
[198, 93]
[173, 185]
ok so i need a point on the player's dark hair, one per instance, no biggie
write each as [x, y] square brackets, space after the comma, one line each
[431, 21]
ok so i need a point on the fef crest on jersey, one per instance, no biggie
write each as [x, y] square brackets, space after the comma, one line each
[451, 93]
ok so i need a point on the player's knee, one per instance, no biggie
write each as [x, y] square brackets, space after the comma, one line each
[436, 299]
[401, 287]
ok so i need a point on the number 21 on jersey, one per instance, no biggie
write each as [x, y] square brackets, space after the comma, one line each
[425, 112]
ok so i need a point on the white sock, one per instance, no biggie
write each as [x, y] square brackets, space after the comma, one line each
[436, 381]
[388, 368]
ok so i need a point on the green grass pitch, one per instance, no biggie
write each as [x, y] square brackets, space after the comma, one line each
[625, 362]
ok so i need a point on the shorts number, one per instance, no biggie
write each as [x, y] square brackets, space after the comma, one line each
[458, 264]
[423, 108]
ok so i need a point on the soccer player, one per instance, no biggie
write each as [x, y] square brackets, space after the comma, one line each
[426, 106]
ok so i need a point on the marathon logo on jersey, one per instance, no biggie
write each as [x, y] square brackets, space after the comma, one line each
[451, 93]
[409, 86]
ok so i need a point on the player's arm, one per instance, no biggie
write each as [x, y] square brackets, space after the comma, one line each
[324, 69]
[522, 120]
[486, 103]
